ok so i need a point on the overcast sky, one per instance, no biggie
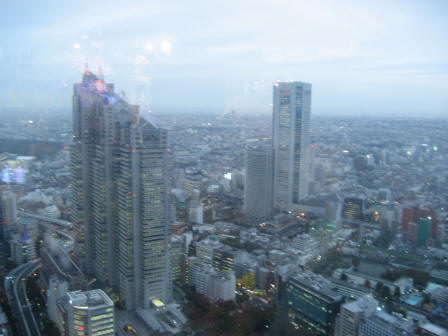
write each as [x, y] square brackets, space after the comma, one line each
[362, 57]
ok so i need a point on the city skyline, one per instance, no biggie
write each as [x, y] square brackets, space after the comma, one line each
[368, 226]
[248, 168]
[382, 58]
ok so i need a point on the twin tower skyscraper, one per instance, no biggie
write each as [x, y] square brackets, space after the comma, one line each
[119, 195]
[120, 190]
[277, 173]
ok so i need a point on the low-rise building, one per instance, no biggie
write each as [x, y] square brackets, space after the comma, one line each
[352, 313]
[310, 302]
[88, 313]
[383, 324]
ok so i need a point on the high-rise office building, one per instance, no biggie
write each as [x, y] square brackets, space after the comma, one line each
[291, 140]
[119, 194]
[259, 179]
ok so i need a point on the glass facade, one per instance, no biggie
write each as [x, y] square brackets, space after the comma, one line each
[258, 187]
[119, 194]
[311, 307]
[291, 140]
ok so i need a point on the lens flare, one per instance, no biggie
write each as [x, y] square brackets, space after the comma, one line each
[165, 47]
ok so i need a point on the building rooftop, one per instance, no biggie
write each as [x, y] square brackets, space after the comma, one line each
[436, 330]
[318, 284]
[392, 322]
[91, 299]
[362, 304]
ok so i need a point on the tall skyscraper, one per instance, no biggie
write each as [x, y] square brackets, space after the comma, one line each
[119, 194]
[259, 179]
[291, 140]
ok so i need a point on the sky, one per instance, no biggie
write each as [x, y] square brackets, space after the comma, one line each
[367, 57]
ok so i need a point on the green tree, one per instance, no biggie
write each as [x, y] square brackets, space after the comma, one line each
[378, 287]
[389, 306]
[367, 283]
[420, 278]
[385, 292]
[397, 293]
[344, 276]
[282, 327]
[50, 327]
[426, 298]
[242, 298]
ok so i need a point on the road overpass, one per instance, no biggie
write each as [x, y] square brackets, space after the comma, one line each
[15, 287]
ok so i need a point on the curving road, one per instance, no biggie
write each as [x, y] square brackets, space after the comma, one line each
[15, 280]
[16, 294]
[56, 221]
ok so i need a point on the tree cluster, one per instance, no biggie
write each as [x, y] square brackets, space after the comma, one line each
[329, 262]
[247, 246]
[420, 278]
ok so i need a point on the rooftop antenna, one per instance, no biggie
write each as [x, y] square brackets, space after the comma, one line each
[100, 71]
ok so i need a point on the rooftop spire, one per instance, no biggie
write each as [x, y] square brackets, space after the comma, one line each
[88, 75]
[100, 72]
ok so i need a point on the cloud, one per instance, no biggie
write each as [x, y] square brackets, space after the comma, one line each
[164, 45]
[232, 49]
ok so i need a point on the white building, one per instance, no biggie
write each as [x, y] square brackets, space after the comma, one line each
[56, 289]
[215, 285]
[88, 313]
[352, 313]
[384, 324]
[196, 214]
[432, 329]
[221, 286]
[291, 139]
